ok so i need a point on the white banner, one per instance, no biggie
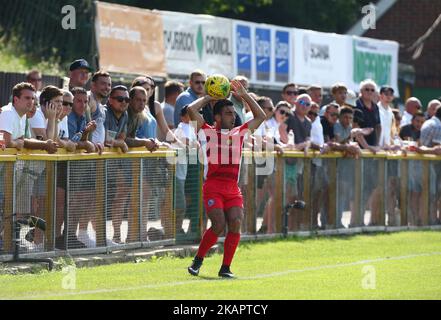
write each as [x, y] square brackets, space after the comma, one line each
[197, 42]
[321, 58]
[376, 60]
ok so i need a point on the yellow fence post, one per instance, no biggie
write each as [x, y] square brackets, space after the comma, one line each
[8, 207]
[279, 193]
[425, 194]
[49, 203]
[403, 191]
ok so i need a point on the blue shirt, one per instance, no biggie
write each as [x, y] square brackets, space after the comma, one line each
[147, 130]
[185, 98]
[76, 124]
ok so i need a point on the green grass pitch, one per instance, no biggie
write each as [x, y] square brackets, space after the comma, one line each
[404, 265]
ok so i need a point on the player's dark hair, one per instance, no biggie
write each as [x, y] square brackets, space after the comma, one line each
[218, 107]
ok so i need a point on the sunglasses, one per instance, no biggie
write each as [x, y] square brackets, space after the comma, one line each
[67, 104]
[369, 90]
[292, 93]
[122, 99]
[304, 104]
[284, 112]
[200, 82]
[312, 114]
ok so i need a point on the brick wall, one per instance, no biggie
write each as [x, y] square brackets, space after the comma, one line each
[405, 22]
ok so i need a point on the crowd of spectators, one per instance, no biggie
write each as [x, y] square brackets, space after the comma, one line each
[49, 118]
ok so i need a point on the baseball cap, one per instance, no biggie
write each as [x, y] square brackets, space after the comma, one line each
[80, 64]
[385, 89]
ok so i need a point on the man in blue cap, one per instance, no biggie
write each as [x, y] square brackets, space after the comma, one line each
[79, 73]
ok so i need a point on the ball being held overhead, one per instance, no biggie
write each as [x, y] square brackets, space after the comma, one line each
[218, 86]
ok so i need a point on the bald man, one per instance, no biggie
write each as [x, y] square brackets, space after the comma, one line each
[413, 105]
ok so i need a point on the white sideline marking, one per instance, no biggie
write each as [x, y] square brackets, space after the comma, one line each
[262, 276]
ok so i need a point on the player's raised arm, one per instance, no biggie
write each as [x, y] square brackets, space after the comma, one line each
[258, 113]
[195, 107]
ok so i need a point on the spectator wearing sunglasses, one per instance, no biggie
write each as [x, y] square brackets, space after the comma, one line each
[155, 110]
[299, 123]
[329, 120]
[194, 92]
[371, 113]
[290, 93]
[63, 125]
[412, 106]
[117, 118]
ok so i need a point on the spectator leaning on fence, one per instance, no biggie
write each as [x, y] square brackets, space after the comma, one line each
[328, 121]
[79, 130]
[412, 132]
[155, 109]
[431, 135]
[371, 113]
[412, 106]
[63, 125]
[195, 91]
[343, 128]
[13, 120]
[99, 93]
[140, 128]
[44, 123]
[117, 118]
[79, 73]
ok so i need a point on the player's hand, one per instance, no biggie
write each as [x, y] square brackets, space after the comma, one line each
[238, 88]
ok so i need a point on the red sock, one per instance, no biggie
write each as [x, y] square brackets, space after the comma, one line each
[231, 242]
[208, 240]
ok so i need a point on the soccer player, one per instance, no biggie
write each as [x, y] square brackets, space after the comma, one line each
[223, 151]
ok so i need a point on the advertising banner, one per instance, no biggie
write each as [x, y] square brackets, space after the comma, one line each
[130, 40]
[321, 58]
[376, 60]
[197, 42]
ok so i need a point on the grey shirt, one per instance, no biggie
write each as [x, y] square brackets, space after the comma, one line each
[302, 130]
[114, 126]
[342, 134]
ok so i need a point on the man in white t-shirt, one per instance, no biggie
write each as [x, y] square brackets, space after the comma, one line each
[387, 118]
[13, 120]
[186, 133]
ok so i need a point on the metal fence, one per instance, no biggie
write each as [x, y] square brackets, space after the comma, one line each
[93, 203]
